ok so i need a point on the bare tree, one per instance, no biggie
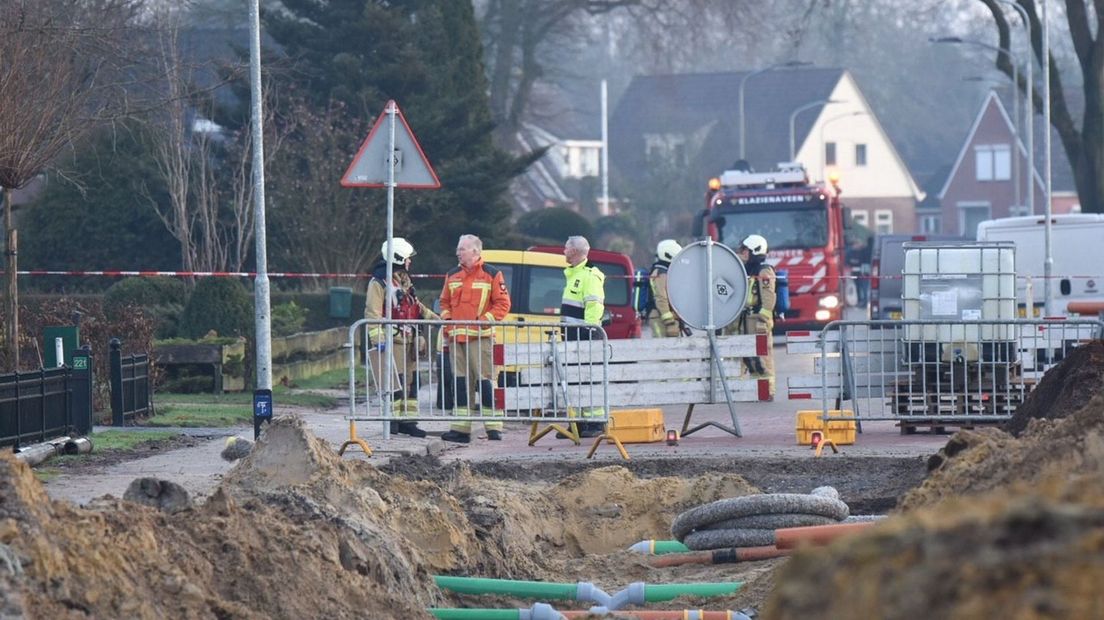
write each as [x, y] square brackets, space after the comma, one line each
[316, 224]
[517, 32]
[206, 170]
[65, 67]
[1085, 146]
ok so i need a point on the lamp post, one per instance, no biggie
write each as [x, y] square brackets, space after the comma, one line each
[1015, 75]
[823, 159]
[1048, 262]
[740, 95]
[1030, 105]
[799, 110]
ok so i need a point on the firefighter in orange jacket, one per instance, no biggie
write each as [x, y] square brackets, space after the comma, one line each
[473, 291]
[407, 344]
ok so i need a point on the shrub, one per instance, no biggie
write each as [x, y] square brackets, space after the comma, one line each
[288, 318]
[161, 299]
[219, 304]
[96, 328]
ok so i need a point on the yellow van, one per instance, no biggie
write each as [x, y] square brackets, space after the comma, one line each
[536, 282]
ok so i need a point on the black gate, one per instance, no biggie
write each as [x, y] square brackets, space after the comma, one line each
[48, 403]
[130, 385]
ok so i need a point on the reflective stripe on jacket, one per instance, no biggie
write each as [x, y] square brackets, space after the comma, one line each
[658, 282]
[762, 294]
[584, 296]
[476, 294]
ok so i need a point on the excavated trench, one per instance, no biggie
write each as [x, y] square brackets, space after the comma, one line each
[1000, 526]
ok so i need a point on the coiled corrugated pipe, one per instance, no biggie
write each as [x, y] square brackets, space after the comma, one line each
[750, 521]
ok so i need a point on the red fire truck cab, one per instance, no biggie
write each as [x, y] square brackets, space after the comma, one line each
[803, 224]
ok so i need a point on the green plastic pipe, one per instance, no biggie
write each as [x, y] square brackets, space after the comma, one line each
[659, 547]
[666, 592]
[475, 614]
[523, 589]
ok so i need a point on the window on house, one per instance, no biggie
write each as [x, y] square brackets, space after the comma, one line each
[830, 153]
[930, 224]
[860, 154]
[883, 221]
[993, 162]
[861, 217]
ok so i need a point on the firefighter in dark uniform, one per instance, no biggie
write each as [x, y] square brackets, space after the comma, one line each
[758, 314]
[407, 345]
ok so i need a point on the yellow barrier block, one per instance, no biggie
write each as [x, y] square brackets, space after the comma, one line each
[839, 432]
[637, 425]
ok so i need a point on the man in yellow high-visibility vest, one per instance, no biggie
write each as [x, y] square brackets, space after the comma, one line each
[583, 304]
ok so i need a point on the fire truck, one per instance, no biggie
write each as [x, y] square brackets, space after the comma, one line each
[803, 224]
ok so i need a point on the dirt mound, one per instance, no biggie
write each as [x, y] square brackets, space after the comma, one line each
[977, 461]
[294, 531]
[1065, 388]
[1028, 551]
[227, 558]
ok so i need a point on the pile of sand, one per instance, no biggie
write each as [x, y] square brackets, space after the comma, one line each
[1003, 526]
[294, 531]
[1064, 389]
[1029, 551]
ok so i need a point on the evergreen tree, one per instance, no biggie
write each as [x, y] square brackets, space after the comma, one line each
[97, 215]
[349, 57]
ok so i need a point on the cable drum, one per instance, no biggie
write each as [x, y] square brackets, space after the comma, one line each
[750, 521]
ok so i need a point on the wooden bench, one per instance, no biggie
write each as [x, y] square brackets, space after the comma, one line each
[638, 373]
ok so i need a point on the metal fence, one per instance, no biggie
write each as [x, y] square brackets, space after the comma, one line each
[530, 372]
[931, 373]
[130, 385]
[46, 404]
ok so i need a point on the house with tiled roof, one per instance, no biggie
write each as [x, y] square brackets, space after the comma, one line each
[693, 120]
[992, 161]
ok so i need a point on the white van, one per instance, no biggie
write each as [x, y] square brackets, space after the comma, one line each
[1076, 245]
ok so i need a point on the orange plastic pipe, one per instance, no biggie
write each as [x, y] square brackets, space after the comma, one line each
[792, 537]
[671, 614]
[720, 556]
[1085, 307]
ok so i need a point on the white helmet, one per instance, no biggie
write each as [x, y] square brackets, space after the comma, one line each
[756, 243]
[666, 250]
[402, 249]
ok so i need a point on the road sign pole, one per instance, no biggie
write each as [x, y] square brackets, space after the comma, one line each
[388, 365]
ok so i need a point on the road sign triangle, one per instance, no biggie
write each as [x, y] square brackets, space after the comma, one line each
[369, 167]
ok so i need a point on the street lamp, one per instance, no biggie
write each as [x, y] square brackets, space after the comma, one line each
[799, 110]
[823, 158]
[1015, 131]
[1030, 105]
[740, 94]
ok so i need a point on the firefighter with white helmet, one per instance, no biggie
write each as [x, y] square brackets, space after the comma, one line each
[406, 345]
[669, 324]
[758, 314]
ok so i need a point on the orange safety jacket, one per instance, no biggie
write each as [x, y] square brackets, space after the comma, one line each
[476, 294]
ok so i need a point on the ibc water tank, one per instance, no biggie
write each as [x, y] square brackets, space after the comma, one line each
[959, 282]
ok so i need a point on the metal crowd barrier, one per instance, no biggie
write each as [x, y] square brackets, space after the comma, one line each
[933, 373]
[536, 374]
